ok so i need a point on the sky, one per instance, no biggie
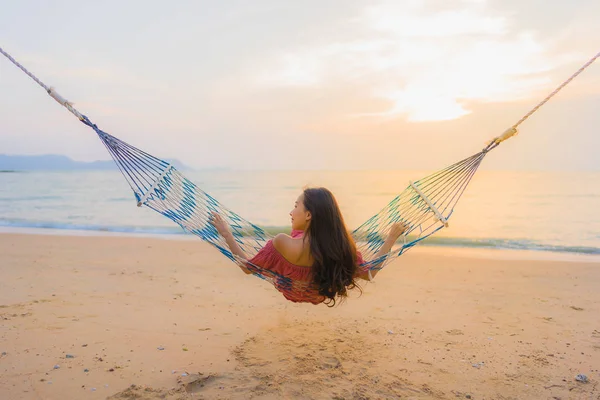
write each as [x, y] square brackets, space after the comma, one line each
[307, 84]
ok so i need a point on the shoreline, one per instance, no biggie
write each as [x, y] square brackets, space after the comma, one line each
[464, 251]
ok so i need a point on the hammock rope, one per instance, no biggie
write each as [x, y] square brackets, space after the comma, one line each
[555, 91]
[425, 205]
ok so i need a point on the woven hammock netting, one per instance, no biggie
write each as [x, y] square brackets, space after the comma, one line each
[424, 206]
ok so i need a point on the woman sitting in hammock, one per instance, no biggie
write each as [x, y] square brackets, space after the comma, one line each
[320, 256]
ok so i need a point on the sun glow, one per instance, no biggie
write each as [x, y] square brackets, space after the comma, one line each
[427, 65]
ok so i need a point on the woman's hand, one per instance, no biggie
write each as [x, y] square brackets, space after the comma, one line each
[224, 230]
[219, 223]
[397, 230]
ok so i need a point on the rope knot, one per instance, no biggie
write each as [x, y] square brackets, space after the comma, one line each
[510, 132]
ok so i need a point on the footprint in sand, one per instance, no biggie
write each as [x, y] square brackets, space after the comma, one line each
[148, 393]
[195, 383]
[312, 362]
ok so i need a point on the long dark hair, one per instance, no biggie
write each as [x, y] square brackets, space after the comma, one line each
[331, 246]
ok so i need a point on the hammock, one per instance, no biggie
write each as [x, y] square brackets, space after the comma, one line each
[425, 205]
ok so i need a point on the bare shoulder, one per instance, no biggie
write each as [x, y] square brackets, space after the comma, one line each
[293, 249]
[282, 243]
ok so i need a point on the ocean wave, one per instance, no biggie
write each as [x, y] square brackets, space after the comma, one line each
[91, 227]
[508, 244]
[481, 243]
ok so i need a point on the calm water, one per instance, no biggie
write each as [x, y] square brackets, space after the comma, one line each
[518, 210]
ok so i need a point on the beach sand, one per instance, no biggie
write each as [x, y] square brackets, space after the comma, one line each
[179, 321]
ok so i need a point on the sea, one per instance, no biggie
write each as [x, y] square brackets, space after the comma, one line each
[538, 211]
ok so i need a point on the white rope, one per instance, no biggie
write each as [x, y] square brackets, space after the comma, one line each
[24, 70]
[510, 132]
[562, 85]
[63, 102]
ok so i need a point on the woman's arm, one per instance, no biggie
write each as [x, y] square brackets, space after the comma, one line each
[224, 230]
[395, 231]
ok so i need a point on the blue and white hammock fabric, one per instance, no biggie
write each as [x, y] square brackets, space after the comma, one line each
[425, 206]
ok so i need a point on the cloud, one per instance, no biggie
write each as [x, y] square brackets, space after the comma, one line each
[427, 63]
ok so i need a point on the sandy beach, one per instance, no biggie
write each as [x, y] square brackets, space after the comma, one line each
[88, 317]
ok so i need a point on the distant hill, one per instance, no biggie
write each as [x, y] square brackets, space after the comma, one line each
[53, 162]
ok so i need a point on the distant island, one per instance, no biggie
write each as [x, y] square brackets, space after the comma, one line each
[54, 162]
